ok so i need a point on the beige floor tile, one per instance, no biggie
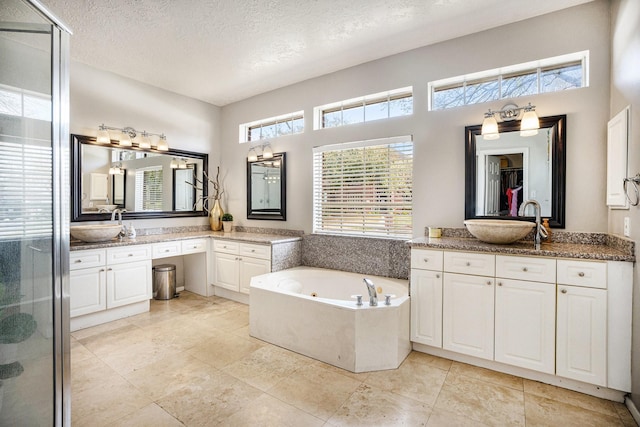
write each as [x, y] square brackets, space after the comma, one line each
[412, 379]
[210, 402]
[227, 321]
[625, 415]
[89, 373]
[541, 411]
[440, 418]
[144, 352]
[106, 402]
[113, 340]
[266, 366]
[223, 351]
[149, 416]
[79, 352]
[360, 376]
[370, 406]
[427, 359]
[487, 375]
[482, 401]
[571, 397]
[168, 375]
[100, 329]
[266, 410]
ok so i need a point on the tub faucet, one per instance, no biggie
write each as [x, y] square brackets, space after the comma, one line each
[540, 231]
[373, 295]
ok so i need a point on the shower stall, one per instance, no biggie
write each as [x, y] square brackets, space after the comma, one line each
[34, 216]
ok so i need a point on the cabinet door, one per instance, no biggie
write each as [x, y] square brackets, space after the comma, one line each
[426, 307]
[582, 334]
[250, 267]
[87, 289]
[227, 271]
[525, 324]
[128, 283]
[467, 321]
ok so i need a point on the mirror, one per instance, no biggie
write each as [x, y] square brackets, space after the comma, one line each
[147, 183]
[500, 174]
[266, 188]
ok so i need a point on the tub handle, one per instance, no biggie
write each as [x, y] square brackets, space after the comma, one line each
[358, 299]
[387, 299]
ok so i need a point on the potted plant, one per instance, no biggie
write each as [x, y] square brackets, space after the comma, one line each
[227, 222]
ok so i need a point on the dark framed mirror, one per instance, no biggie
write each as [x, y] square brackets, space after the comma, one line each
[105, 177]
[266, 188]
[500, 174]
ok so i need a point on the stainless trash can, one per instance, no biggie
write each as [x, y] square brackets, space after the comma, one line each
[164, 281]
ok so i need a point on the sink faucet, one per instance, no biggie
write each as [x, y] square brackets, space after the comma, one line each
[373, 295]
[123, 230]
[540, 231]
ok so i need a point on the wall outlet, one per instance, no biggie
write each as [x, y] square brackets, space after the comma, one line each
[627, 227]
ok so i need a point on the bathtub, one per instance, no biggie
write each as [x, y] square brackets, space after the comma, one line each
[311, 311]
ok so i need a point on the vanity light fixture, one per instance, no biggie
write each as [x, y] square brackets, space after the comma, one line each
[267, 152]
[128, 137]
[529, 124]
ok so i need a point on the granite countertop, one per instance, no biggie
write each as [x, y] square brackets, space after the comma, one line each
[258, 238]
[553, 249]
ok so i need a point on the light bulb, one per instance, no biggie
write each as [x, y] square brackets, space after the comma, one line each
[103, 136]
[163, 145]
[252, 156]
[490, 127]
[144, 141]
[530, 124]
[267, 152]
[125, 140]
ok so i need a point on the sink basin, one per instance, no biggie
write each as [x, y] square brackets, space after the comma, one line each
[95, 233]
[107, 207]
[498, 231]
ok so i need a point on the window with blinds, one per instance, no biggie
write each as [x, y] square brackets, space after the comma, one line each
[149, 189]
[364, 188]
[25, 188]
[272, 127]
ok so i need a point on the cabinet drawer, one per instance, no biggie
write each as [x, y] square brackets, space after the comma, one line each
[470, 263]
[526, 268]
[256, 251]
[425, 259]
[226, 246]
[86, 259]
[582, 273]
[128, 254]
[167, 249]
[194, 246]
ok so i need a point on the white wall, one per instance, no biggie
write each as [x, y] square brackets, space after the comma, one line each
[439, 136]
[100, 97]
[625, 90]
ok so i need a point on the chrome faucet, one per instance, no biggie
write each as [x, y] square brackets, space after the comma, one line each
[373, 295]
[540, 231]
[123, 230]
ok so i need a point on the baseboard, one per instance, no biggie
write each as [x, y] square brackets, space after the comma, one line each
[633, 409]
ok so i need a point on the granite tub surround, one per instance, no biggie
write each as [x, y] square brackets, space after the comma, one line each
[598, 246]
[379, 257]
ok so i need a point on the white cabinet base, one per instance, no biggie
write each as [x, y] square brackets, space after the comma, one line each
[590, 389]
[105, 316]
[233, 296]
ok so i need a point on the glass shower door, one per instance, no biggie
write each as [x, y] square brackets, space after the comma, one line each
[31, 291]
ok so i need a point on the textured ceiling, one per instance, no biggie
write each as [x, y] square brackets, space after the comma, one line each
[221, 51]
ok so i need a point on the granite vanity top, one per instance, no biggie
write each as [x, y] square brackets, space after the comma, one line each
[248, 237]
[554, 249]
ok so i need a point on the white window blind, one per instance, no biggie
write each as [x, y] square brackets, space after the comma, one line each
[25, 188]
[364, 188]
[149, 189]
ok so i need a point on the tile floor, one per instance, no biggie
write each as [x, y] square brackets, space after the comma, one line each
[190, 361]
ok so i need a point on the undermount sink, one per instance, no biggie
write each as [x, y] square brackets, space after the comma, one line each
[498, 231]
[95, 233]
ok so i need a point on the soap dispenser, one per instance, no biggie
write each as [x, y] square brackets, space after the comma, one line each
[132, 232]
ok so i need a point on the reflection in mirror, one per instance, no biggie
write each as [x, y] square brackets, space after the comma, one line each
[502, 173]
[143, 182]
[266, 189]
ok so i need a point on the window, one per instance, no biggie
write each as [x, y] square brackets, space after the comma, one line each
[531, 78]
[287, 124]
[383, 105]
[149, 189]
[22, 103]
[364, 188]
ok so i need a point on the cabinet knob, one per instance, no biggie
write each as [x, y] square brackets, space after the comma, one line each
[564, 291]
[489, 282]
[166, 250]
[437, 276]
[101, 270]
[78, 261]
[195, 247]
[109, 269]
[253, 250]
[581, 274]
[130, 255]
[525, 269]
[468, 264]
[499, 283]
[426, 260]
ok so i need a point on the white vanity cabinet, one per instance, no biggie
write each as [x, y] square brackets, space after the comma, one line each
[105, 279]
[426, 294]
[236, 263]
[582, 321]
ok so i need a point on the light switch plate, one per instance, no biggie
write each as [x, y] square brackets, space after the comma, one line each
[627, 227]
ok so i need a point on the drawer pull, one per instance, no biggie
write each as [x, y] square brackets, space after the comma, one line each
[166, 250]
[130, 255]
[426, 260]
[101, 270]
[437, 276]
[78, 261]
[564, 291]
[525, 269]
[253, 250]
[194, 247]
[489, 282]
[499, 283]
[468, 264]
[224, 247]
[109, 269]
[581, 274]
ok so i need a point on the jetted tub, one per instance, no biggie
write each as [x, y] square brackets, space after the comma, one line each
[311, 311]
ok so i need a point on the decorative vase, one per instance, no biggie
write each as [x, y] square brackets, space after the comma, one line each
[215, 216]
